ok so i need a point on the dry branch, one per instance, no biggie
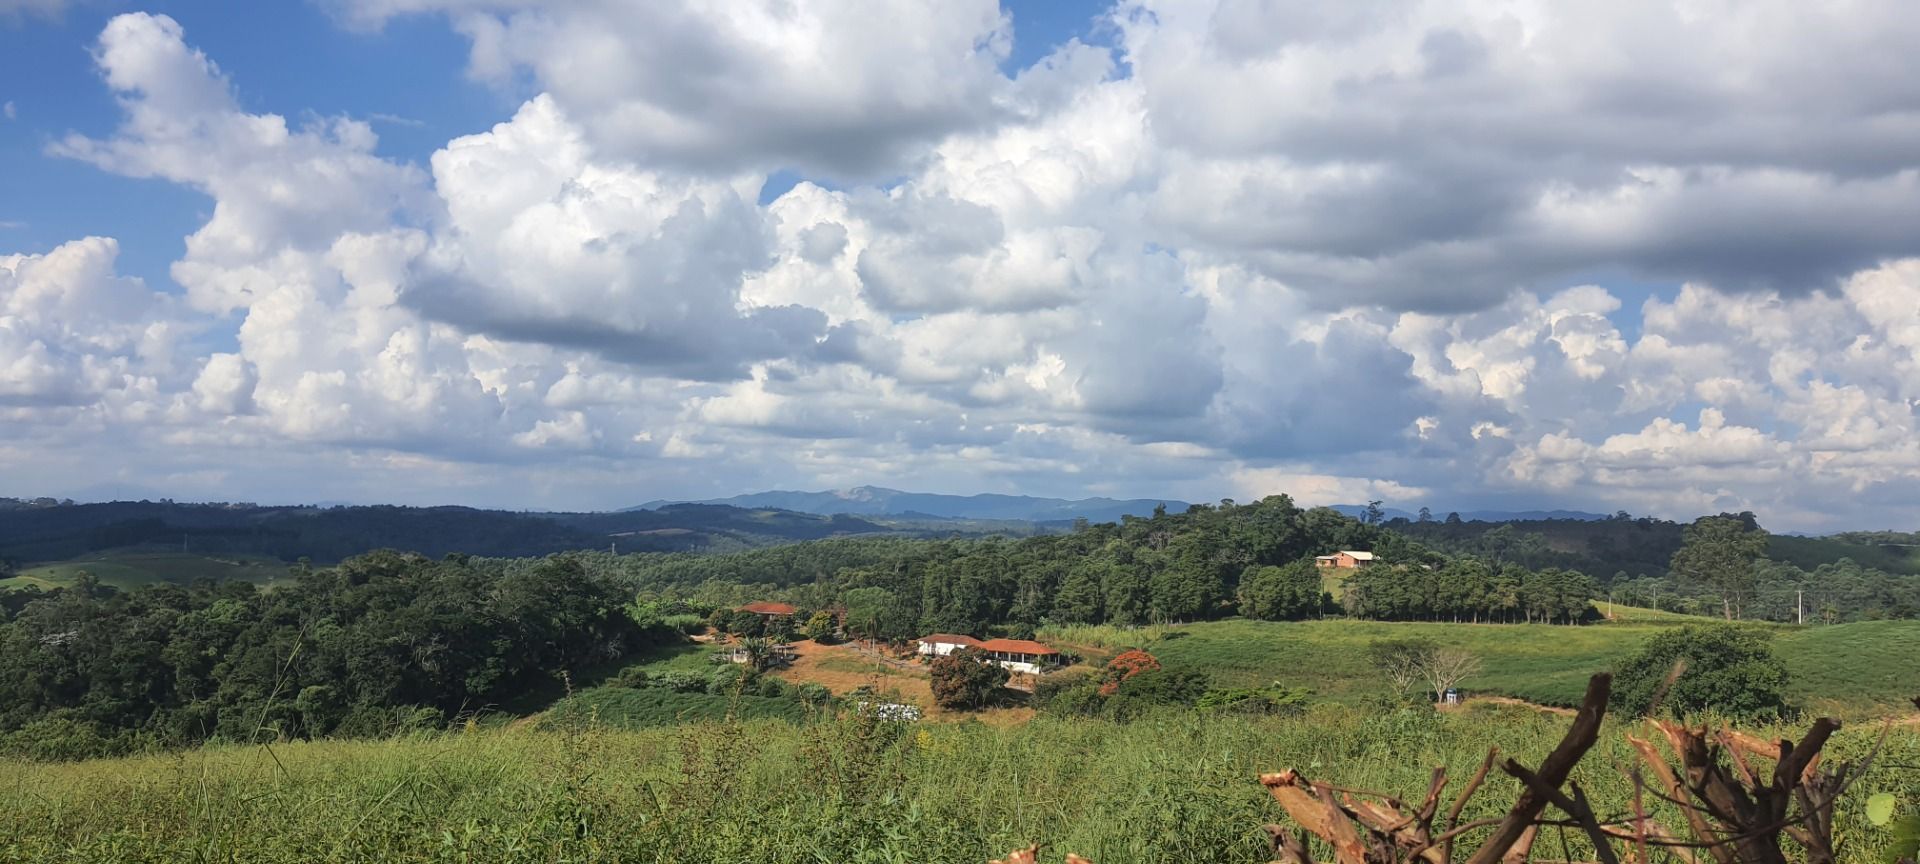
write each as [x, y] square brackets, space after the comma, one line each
[1736, 808]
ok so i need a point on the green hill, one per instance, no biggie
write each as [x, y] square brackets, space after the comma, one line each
[1636, 547]
[133, 567]
[1810, 552]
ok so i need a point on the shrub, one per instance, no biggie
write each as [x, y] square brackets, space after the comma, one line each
[1050, 687]
[1156, 688]
[682, 682]
[732, 678]
[1273, 699]
[690, 625]
[965, 679]
[813, 694]
[821, 628]
[1124, 666]
[630, 677]
[771, 687]
[55, 738]
[1728, 669]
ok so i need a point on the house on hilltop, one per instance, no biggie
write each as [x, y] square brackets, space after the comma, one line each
[1345, 560]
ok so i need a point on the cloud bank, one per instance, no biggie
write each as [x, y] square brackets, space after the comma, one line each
[1359, 250]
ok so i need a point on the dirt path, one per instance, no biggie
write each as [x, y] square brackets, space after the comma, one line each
[1517, 703]
[845, 668]
[842, 669]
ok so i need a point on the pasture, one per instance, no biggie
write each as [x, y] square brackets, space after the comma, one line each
[133, 567]
[1849, 670]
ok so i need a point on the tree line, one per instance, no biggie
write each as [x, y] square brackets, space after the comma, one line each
[1252, 559]
[381, 642]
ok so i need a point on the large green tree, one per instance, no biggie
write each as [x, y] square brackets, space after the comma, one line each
[1720, 552]
[1285, 593]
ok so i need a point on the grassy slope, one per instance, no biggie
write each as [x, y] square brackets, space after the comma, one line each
[1836, 669]
[623, 708]
[1850, 669]
[1176, 788]
[133, 567]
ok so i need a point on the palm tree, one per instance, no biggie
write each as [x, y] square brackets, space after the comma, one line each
[759, 653]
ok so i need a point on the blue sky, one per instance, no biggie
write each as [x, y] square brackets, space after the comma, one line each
[293, 59]
[578, 256]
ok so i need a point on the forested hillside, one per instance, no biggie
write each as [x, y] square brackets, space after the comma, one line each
[58, 532]
[1210, 561]
[1845, 577]
[1640, 546]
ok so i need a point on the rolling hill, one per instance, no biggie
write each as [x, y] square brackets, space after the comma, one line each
[878, 501]
[130, 542]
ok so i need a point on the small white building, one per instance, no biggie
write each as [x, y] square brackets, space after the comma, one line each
[942, 644]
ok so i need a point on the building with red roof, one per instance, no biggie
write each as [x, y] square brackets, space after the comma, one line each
[1021, 655]
[942, 644]
[772, 612]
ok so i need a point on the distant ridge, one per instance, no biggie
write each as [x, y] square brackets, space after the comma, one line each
[879, 501]
[1356, 510]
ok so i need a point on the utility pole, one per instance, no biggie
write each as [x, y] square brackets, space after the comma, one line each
[1799, 608]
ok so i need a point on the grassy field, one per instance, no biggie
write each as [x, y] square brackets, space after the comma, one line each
[623, 708]
[1851, 670]
[1178, 788]
[1839, 669]
[131, 568]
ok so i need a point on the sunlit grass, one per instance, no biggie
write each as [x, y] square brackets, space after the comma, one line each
[1848, 669]
[1177, 787]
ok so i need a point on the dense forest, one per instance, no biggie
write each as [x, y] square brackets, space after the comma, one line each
[383, 641]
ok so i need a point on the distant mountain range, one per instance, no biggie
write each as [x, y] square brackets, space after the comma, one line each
[877, 501]
[1357, 510]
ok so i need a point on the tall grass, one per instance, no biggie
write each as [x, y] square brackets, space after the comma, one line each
[1178, 787]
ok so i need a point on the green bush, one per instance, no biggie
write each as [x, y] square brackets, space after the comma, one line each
[683, 682]
[631, 677]
[55, 738]
[1156, 688]
[1271, 700]
[1728, 669]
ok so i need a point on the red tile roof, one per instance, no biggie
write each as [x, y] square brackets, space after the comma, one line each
[1016, 646]
[769, 608]
[947, 639]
